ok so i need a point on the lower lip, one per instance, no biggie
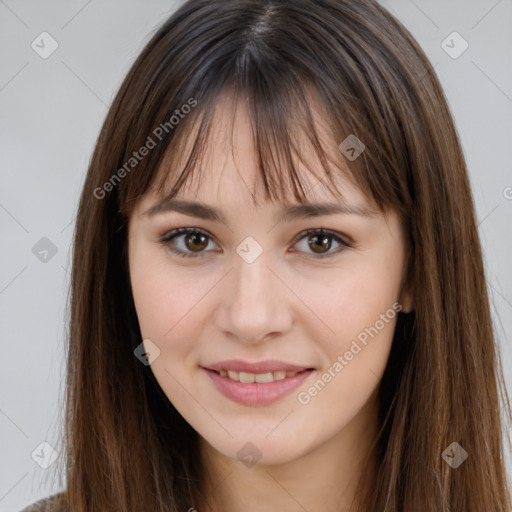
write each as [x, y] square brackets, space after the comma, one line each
[257, 393]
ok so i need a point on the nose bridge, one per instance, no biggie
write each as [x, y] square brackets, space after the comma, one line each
[252, 280]
[254, 304]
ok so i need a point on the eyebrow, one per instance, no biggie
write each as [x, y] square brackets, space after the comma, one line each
[288, 213]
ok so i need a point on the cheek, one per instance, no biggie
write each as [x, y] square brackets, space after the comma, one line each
[170, 303]
[154, 301]
[361, 320]
[353, 300]
[358, 308]
[167, 302]
[160, 295]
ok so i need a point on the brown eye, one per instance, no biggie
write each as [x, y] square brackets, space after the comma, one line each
[193, 242]
[320, 243]
[187, 242]
[196, 241]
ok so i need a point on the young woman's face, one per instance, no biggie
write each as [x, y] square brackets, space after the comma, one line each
[255, 292]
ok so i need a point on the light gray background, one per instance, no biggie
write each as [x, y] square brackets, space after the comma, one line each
[51, 113]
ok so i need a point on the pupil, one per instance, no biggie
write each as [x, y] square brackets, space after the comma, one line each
[322, 238]
[198, 239]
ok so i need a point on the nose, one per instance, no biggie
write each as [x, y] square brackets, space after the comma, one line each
[255, 304]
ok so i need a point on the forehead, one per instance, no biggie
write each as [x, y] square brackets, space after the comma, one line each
[228, 173]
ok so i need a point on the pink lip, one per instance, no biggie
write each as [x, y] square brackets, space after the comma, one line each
[257, 393]
[270, 365]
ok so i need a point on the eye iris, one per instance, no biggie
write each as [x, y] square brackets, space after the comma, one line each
[196, 238]
[318, 241]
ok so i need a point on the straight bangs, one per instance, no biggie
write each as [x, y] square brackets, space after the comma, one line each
[353, 127]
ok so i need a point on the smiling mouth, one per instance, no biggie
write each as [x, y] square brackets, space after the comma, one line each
[260, 378]
[257, 389]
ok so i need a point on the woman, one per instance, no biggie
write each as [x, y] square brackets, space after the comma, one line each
[224, 354]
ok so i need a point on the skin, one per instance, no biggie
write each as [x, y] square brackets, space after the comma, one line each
[286, 305]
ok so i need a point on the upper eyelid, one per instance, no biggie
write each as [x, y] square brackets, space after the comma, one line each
[342, 239]
[177, 232]
[182, 231]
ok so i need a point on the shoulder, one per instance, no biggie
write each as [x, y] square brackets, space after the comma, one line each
[50, 504]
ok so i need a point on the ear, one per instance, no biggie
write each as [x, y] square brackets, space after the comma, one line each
[406, 298]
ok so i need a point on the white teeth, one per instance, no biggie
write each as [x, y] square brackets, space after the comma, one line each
[263, 377]
[233, 375]
[247, 377]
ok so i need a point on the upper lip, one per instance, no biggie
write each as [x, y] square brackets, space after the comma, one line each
[270, 365]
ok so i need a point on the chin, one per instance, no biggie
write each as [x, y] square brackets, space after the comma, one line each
[253, 450]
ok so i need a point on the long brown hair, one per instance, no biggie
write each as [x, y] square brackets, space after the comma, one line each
[127, 447]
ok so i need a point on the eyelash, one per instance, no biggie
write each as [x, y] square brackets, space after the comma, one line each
[165, 239]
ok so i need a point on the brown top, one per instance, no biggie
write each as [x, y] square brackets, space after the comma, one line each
[44, 505]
